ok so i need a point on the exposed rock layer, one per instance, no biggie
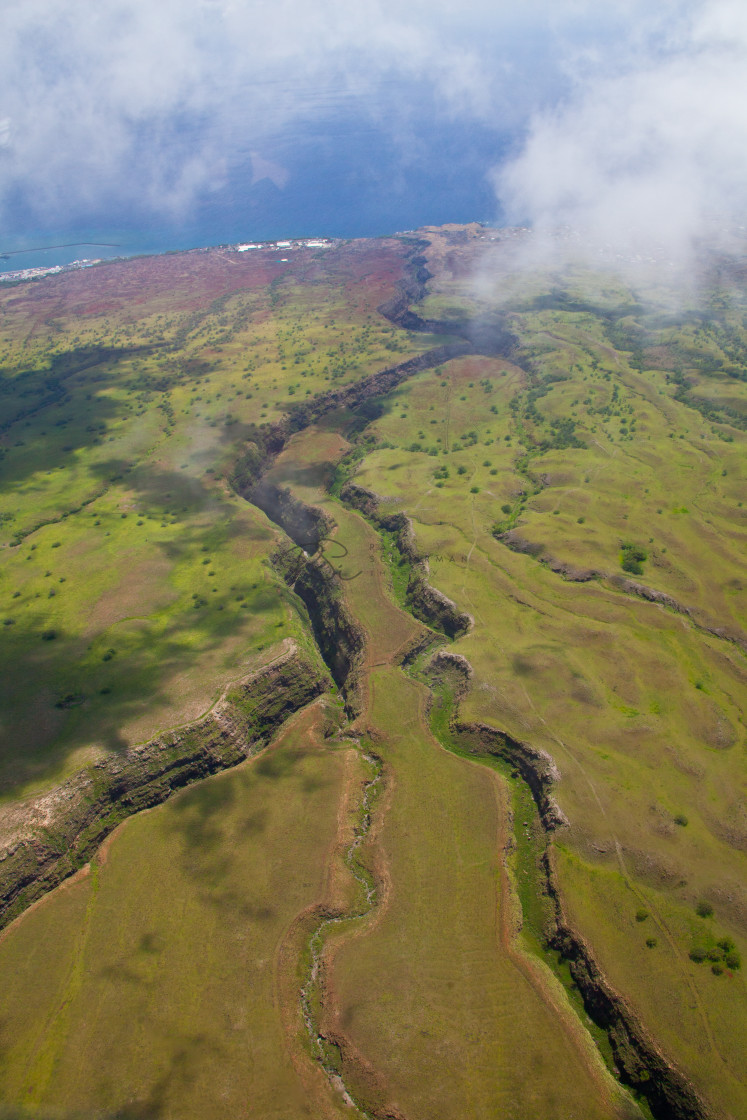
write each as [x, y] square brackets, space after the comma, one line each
[62, 829]
[426, 602]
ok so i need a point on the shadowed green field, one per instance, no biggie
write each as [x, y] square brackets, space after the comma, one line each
[134, 582]
[153, 986]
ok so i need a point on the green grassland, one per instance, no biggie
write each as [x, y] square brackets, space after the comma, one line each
[431, 996]
[434, 994]
[580, 497]
[579, 447]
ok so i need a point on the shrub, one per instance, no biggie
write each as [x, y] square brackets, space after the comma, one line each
[633, 566]
[704, 910]
[717, 968]
[733, 959]
[681, 820]
[726, 944]
[698, 955]
[651, 942]
[641, 915]
[505, 508]
[632, 557]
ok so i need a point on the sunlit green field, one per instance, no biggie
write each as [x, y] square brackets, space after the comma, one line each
[641, 704]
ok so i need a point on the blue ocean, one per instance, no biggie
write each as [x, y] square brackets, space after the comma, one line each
[345, 171]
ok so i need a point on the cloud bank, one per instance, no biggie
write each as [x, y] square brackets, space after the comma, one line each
[646, 155]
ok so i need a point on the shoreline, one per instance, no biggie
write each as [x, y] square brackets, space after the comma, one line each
[39, 272]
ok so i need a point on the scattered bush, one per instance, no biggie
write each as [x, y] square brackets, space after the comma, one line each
[704, 910]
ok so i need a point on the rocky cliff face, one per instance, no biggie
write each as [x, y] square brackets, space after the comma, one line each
[426, 602]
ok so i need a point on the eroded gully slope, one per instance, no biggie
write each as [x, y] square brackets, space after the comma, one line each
[404, 988]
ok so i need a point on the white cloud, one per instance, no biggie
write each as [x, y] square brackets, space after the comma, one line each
[648, 153]
[136, 100]
[631, 119]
